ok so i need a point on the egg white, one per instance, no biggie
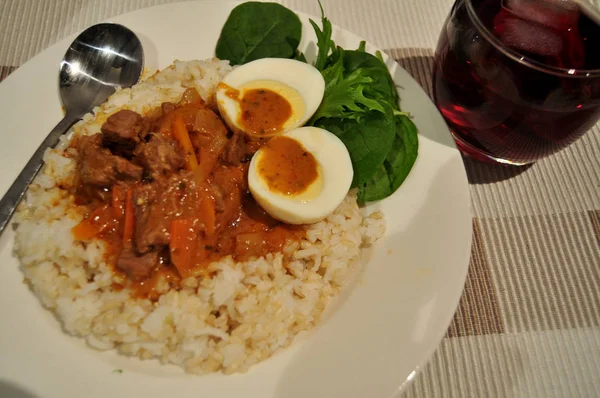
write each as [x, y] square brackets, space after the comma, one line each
[323, 196]
[299, 83]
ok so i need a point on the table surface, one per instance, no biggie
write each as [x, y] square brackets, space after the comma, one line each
[528, 323]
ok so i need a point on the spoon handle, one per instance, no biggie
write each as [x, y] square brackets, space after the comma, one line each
[16, 191]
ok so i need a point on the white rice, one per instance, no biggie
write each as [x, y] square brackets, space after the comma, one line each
[241, 316]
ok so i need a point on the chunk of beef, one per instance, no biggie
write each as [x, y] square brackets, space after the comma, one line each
[160, 156]
[159, 203]
[207, 121]
[137, 266]
[235, 150]
[123, 130]
[97, 166]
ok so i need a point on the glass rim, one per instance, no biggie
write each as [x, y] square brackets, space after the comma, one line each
[522, 59]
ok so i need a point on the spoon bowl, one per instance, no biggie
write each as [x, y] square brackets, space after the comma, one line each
[102, 58]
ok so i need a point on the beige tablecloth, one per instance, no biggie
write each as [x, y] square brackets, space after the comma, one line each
[528, 323]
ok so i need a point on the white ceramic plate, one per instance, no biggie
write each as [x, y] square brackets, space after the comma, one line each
[380, 332]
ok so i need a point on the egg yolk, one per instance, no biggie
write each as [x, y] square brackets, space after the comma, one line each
[288, 168]
[263, 111]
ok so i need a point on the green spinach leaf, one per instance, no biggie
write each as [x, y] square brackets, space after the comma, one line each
[368, 141]
[398, 163]
[257, 30]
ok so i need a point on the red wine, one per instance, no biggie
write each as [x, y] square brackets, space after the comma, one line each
[517, 80]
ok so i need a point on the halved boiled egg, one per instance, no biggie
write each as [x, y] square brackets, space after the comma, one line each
[301, 176]
[269, 96]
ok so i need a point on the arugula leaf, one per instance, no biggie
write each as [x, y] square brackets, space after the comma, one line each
[368, 141]
[347, 97]
[324, 42]
[257, 30]
[397, 165]
[334, 72]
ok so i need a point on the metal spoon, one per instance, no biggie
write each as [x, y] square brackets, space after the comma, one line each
[101, 59]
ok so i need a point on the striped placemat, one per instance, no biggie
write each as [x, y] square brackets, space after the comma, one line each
[528, 323]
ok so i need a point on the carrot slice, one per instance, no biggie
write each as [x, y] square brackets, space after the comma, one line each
[98, 221]
[129, 225]
[182, 136]
[183, 244]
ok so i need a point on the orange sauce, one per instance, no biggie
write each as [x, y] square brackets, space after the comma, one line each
[254, 233]
[264, 112]
[242, 228]
[230, 92]
[287, 166]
